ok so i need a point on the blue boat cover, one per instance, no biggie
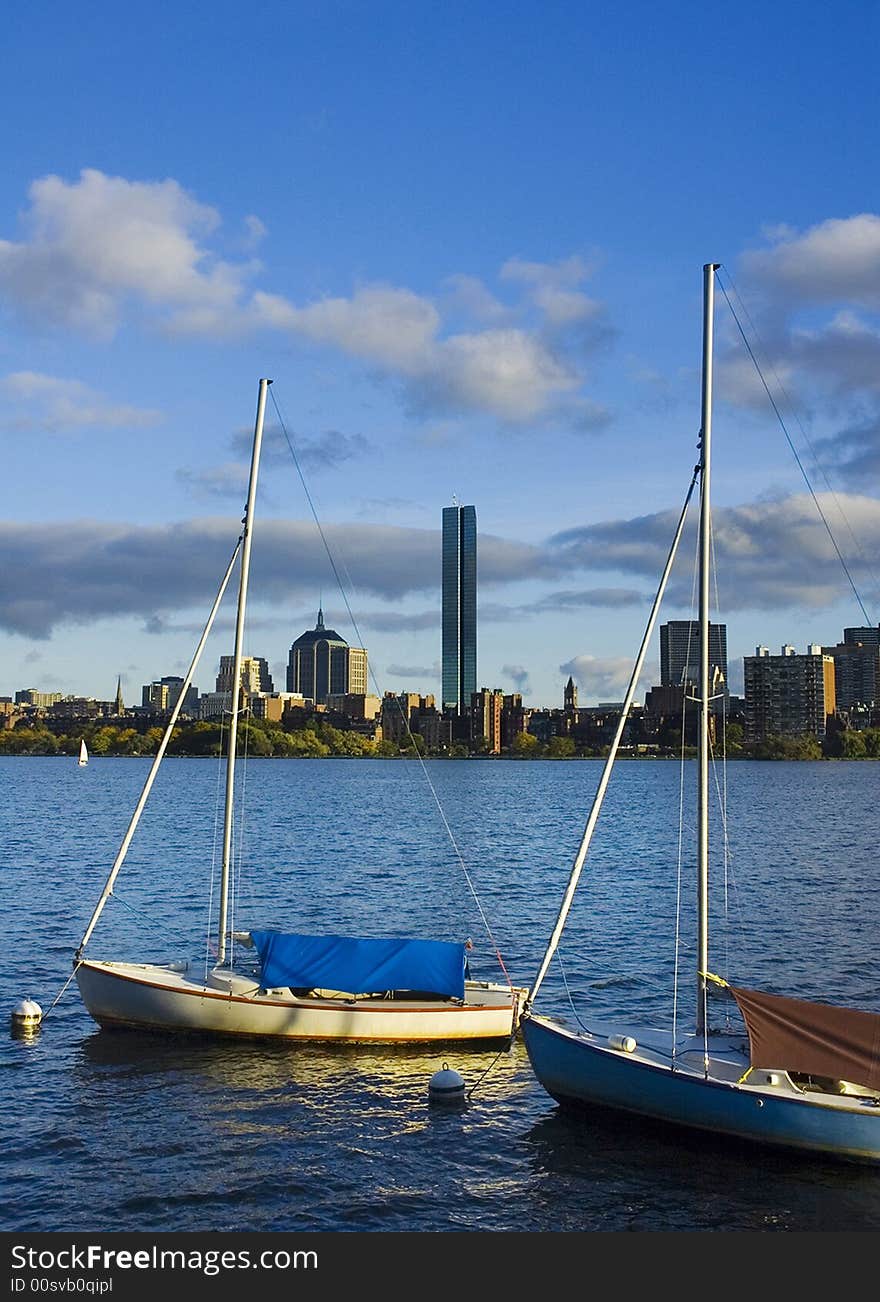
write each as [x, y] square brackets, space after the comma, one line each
[360, 966]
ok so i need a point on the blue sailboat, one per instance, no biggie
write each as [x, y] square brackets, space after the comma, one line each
[800, 1076]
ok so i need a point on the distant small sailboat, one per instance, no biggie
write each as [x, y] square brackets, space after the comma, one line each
[83, 753]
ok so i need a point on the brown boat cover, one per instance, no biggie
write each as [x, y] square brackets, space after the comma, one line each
[815, 1039]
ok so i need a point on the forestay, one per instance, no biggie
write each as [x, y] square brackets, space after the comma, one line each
[360, 966]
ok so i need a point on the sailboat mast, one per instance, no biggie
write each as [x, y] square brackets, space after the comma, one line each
[247, 534]
[704, 685]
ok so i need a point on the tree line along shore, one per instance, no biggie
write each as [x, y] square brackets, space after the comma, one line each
[320, 740]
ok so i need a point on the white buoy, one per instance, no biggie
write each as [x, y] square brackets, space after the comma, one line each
[26, 1017]
[446, 1086]
[625, 1043]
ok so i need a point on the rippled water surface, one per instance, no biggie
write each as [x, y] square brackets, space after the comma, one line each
[125, 1131]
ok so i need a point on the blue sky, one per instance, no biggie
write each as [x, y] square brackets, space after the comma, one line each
[465, 241]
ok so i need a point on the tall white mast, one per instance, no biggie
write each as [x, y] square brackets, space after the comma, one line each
[704, 686]
[247, 534]
[580, 857]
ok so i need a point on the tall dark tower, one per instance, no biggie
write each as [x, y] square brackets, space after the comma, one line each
[459, 606]
[680, 649]
[571, 696]
[120, 708]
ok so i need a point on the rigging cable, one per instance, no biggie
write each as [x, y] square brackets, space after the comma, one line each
[163, 745]
[238, 865]
[443, 818]
[794, 451]
[685, 698]
[721, 790]
[218, 804]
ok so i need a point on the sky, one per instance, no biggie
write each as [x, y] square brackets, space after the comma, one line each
[465, 241]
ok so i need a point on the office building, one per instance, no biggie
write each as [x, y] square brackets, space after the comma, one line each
[354, 705]
[680, 652]
[459, 558]
[514, 719]
[255, 676]
[866, 636]
[486, 708]
[788, 695]
[856, 672]
[160, 697]
[322, 664]
[40, 700]
[272, 706]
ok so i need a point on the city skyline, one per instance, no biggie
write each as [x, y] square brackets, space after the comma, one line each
[445, 271]
[673, 633]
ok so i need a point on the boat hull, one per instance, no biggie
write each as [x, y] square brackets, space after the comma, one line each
[581, 1070]
[164, 999]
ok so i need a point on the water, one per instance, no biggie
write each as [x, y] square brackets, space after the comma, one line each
[129, 1132]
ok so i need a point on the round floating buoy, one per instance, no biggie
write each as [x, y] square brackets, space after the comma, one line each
[26, 1017]
[446, 1086]
[625, 1043]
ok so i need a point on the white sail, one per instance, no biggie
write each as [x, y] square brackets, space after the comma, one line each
[83, 753]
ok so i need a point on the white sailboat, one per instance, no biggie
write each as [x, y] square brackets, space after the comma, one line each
[83, 754]
[802, 1076]
[303, 987]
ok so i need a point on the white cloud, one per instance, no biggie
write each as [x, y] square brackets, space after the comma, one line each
[846, 351]
[505, 371]
[836, 260]
[510, 372]
[101, 240]
[553, 287]
[255, 231]
[417, 672]
[519, 676]
[102, 246]
[394, 328]
[604, 678]
[738, 382]
[811, 317]
[226, 480]
[48, 402]
[469, 295]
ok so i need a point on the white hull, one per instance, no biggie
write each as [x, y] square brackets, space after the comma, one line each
[163, 998]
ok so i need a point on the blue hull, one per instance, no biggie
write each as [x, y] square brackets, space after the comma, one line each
[574, 1069]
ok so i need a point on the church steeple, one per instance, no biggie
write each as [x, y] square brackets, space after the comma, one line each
[120, 708]
[571, 695]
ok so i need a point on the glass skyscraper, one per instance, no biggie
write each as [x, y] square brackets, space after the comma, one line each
[459, 606]
[680, 651]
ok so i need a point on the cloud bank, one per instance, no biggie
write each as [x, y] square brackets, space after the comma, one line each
[771, 555]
